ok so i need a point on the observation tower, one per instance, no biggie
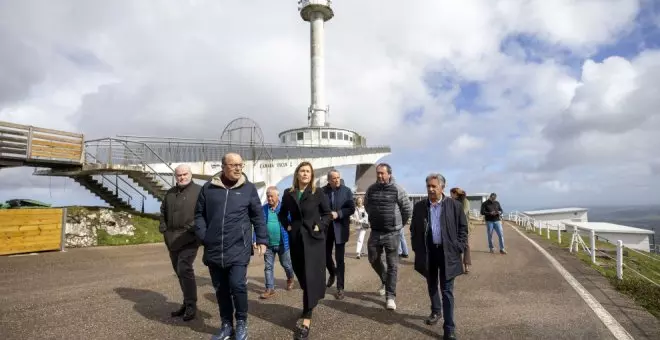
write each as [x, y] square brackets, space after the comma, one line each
[318, 132]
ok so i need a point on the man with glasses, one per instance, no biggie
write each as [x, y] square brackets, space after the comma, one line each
[177, 223]
[227, 209]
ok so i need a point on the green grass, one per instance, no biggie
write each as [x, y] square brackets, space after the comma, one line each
[146, 231]
[643, 292]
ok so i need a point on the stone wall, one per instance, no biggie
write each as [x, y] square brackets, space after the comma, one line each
[82, 225]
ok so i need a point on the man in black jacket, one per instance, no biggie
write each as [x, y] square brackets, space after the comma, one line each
[492, 212]
[438, 232]
[342, 206]
[389, 208]
[177, 223]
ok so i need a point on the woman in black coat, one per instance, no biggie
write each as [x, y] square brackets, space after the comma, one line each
[305, 211]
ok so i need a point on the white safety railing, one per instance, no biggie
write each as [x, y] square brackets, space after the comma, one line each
[577, 242]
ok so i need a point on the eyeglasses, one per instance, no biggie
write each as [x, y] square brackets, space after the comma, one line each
[234, 166]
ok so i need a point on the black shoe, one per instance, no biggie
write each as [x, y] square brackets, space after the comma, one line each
[331, 281]
[403, 256]
[432, 319]
[340, 294]
[302, 333]
[190, 313]
[179, 312]
[450, 336]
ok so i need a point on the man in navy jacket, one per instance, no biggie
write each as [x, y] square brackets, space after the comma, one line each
[342, 206]
[228, 207]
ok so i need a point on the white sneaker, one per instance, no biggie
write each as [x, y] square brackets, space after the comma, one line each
[381, 291]
[391, 305]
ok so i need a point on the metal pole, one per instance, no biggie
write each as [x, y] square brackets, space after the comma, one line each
[619, 260]
[63, 236]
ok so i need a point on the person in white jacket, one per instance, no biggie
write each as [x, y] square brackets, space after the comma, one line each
[361, 219]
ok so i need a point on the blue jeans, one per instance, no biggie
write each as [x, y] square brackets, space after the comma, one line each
[230, 284]
[497, 225]
[269, 259]
[403, 246]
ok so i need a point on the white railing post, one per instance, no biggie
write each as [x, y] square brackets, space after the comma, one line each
[558, 235]
[619, 260]
[593, 246]
[548, 232]
[541, 228]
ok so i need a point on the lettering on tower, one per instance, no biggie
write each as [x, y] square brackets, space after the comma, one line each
[275, 165]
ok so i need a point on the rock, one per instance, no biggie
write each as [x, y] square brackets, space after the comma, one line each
[82, 226]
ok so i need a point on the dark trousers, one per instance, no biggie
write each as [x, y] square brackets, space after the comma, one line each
[340, 250]
[444, 306]
[230, 291]
[388, 243]
[182, 262]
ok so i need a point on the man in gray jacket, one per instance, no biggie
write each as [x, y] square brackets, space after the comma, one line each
[177, 223]
[389, 209]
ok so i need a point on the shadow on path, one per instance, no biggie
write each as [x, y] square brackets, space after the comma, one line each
[379, 314]
[154, 306]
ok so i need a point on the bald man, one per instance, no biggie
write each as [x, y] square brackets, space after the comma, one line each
[177, 223]
[228, 208]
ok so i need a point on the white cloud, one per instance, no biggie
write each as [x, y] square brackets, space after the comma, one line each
[186, 68]
[465, 143]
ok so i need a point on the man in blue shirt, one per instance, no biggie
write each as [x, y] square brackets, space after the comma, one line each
[438, 232]
[278, 243]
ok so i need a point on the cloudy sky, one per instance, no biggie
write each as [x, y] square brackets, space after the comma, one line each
[548, 103]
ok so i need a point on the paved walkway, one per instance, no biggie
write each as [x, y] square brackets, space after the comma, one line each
[128, 293]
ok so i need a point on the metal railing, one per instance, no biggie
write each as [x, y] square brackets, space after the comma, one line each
[115, 186]
[179, 150]
[576, 243]
[126, 152]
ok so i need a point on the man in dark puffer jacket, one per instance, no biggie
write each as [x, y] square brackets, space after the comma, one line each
[389, 209]
[228, 207]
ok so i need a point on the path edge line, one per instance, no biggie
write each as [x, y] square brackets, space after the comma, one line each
[610, 322]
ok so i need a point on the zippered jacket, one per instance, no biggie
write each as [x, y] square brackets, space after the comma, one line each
[224, 219]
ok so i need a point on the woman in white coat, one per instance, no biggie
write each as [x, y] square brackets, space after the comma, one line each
[361, 219]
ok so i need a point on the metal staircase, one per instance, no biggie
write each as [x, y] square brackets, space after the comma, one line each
[150, 183]
[118, 199]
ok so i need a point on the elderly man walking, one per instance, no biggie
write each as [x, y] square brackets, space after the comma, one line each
[342, 206]
[438, 232]
[177, 223]
[389, 209]
[278, 244]
[228, 208]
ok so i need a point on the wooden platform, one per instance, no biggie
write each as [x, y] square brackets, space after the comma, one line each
[25, 145]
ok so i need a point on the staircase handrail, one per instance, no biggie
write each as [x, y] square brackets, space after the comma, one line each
[125, 142]
[87, 154]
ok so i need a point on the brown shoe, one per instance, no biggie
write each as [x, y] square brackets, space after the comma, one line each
[289, 284]
[267, 294]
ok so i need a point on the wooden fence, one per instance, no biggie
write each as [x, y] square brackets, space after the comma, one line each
[23, 142]
[32, 230]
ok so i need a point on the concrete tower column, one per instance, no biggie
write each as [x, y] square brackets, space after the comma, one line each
[365, 175]
[317, 12]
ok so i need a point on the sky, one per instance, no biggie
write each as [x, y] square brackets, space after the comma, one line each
[547, 103]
